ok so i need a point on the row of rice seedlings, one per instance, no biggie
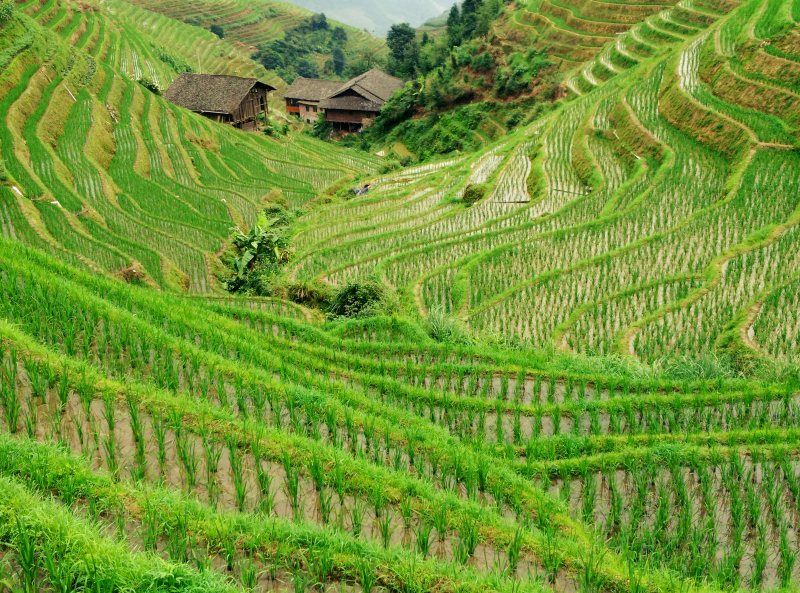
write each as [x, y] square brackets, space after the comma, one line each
[289, 489]
[705, 519]
[52, 546]
[185, 531]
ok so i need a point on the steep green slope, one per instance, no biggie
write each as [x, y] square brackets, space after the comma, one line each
[278, 448]
[103, 171]
[636, 247]
[650, 215]
[532, 51]
[252, 23]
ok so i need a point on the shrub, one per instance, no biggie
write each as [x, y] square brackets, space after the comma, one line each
[360, 299]
[6, 11]
[275, 129]
[256, 258]
[150, 85]
[322, 128]
[473, 193]
[446, 328]
[309, 294]
[217, 30]
[517, 75]
[482, 62]
[176, 63]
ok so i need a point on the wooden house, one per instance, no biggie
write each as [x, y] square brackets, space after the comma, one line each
[226, 99]
[304, 95]
[355, 104]
[349, 106]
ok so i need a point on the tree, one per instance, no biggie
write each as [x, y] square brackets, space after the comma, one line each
[322, 128]
[339, 35]
[318, 22]
[402, 42]
[454, 29]
[486, 15]
[469, 17]
[339, 60]
[6, 11]
[306, 68]
[482, 62]
[217, 30]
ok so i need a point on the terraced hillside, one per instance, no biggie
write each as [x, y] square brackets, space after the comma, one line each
[654, 214]
[91, 157]
[254, 22]
[158, 434]
[242, 438]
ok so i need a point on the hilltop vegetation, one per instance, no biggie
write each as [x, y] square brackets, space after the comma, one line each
[566, 361]
[295, 43]
[377, 17]
[464, 77]
[292, 55]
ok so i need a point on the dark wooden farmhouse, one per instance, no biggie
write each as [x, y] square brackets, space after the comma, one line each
[304, 95]
[349, 106]
[358, 102]
[226, 99]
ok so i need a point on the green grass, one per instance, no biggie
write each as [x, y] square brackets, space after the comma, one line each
[586, 381]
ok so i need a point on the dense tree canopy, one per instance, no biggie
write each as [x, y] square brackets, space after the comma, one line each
[295, 54]
[402, 42]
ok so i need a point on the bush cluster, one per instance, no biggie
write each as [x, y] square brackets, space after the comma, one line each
[6, 11]
[360, 299]
[254, 259]
[473, 193]
[150, 85]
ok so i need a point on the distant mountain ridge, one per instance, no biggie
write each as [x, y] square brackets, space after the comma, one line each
[377, 17]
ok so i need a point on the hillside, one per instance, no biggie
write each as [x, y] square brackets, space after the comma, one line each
[508, 69]
[377, 17]
[90, 155]
[253, 23]
[564, 362]
[653, 214]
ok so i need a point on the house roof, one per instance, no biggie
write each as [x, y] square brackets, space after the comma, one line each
[352, 102]
[373, 88]
[211, 93]
[311, 89]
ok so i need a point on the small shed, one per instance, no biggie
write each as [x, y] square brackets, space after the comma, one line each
[226, 99]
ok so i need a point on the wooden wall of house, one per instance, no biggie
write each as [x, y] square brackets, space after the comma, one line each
[254, 104]
[348, 116]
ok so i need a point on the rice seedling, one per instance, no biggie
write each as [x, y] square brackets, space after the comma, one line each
[28, 559]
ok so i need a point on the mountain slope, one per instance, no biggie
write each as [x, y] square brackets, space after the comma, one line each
[90, 154]
[377, 18]
[253, 23]
[518, 58]
[646, 216]
[587, 381]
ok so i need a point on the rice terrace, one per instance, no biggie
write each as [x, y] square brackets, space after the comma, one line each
[521, 314]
